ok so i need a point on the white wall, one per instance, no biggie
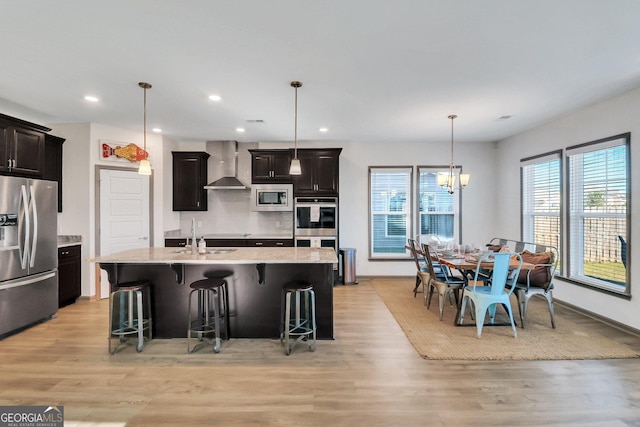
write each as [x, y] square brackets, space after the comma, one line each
[76, 190]
[81, 153]
[170, 219]
[478, 159]
[612, 117]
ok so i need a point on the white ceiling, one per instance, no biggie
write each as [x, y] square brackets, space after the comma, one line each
[371, 70]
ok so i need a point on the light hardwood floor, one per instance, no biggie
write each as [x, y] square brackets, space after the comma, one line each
[369, 375]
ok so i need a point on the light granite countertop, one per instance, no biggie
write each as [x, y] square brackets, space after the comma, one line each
[64, 241]
[259, 255]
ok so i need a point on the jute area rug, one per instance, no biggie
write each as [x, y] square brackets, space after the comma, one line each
[435, 339]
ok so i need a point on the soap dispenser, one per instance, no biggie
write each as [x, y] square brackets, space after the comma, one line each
[202, 246]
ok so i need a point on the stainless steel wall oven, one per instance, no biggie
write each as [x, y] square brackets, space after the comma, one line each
[316, 216]
[316, 222]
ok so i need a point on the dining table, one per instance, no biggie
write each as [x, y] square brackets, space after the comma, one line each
[467, 264]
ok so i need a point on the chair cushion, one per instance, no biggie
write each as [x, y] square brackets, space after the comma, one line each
[539, 276]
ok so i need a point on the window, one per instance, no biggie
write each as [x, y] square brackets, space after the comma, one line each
[598, 175]
[389, 211]
[438, 211]
[540, 177]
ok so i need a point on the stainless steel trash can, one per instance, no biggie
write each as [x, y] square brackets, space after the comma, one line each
[348, 267]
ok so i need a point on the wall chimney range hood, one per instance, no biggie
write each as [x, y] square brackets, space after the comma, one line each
[229, 162]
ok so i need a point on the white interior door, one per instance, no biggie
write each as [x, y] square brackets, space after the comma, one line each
[124, 213]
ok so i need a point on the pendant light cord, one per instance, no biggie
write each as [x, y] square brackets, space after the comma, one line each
[145, 86]
[450, 183]
[295, 130]
[144, 126]
[295, 84]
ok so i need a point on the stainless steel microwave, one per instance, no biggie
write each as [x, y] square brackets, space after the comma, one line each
[272, 197]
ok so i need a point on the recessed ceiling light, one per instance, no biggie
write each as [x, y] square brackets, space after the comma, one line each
[91, 98]
[157, 130]
[215, 97]
[323, 130]
[239, 129]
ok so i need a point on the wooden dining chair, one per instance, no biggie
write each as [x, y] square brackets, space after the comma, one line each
[421, 264]
[444, 284]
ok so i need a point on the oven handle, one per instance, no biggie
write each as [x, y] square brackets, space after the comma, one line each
[322, 205]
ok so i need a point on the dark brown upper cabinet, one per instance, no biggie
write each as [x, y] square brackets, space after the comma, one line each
[22, 147]
[53, 163]
[270, 166]
[189, 179]
[320, 172]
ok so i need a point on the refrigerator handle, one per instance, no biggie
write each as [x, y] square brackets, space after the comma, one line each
[24, 256]
[34, 241]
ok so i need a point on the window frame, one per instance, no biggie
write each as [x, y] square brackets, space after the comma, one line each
[524, 235]
[589, 147]
[405, 255]
[457, 198]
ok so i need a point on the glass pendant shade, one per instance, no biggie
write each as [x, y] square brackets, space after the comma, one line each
[446, 179]
[464, 179]
[145, 167]
[295, 168]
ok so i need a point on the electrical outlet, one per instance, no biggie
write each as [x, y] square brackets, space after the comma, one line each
[199, 224]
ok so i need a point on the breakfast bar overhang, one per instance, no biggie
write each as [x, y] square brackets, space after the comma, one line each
[255, 284]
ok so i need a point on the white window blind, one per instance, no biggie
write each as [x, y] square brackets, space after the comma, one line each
[390, 190]
[438, 210]
[541, 199]
[598, 212]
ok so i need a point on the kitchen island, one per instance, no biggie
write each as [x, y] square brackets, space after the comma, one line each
[254, 287]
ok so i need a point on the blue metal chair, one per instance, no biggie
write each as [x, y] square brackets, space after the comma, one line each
[487, 298]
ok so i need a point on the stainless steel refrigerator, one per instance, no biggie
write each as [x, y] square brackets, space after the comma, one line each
[28, 252]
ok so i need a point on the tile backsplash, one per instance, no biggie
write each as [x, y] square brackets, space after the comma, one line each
[229, 212]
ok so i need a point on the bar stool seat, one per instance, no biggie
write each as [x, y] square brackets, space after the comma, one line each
[212, 296]
[131, 320]
[298, 315]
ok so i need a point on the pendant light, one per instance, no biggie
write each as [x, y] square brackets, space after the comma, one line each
[448, 180]
[145, 165]
[295, 168]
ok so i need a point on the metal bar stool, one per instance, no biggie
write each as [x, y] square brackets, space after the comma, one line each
[226, 275]
[131, 314]
[212, 295]
[298, 320]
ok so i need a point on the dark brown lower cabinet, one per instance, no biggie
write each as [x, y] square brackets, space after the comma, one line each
[69, 275]
[270, 243]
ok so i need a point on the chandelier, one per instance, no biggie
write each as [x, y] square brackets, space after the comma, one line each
[145, 165]
[448, 180]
